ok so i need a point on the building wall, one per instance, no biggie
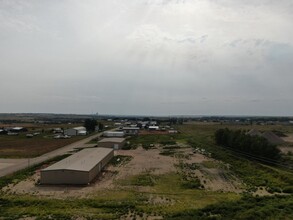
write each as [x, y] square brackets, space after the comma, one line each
[131, 132]
[111, 144]
[64, 177]
[113, 134]
[74, 177]
[97, 169]
[70, 132]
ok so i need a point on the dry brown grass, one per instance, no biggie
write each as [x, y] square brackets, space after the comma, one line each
[21, 147]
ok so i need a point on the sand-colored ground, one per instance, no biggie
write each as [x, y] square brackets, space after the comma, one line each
[142, 161]
[289, 138]
[216, 179]
[286, 149]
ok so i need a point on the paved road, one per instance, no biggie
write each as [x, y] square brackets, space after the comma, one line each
[8, 166]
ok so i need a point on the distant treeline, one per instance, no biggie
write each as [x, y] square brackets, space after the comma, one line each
[251, 146]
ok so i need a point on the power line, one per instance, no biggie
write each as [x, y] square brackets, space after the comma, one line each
[260, 159]
[255, 157]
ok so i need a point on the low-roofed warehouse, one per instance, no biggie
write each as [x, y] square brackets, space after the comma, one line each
[79, 168]
[115, 143]
[75, 131]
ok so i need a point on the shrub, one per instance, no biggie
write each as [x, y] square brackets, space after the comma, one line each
[288, 189]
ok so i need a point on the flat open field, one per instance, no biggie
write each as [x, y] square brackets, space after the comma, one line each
[158, 180]
[162, 177]
[211, 174]
[22, 147]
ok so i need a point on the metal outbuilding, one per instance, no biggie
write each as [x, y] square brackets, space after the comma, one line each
[115, 143]
[131, 130]
[79, 168]
[113, 134]
[154, 128]
[75, 131]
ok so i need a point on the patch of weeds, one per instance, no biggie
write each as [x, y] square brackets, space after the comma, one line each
[288, 189]
[181, 155]
[167, 142]
[191, 166]
[148, 146]
[210, 164]
[188, 179]
[193, 183]
[171, 147]
[274, 189]
[145, 179]
[119, 160]
[248, 207]
[127, 147]
[168, 153]
[148, 141]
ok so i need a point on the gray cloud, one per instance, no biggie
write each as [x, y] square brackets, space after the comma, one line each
[147, 57]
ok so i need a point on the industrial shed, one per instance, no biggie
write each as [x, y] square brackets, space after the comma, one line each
[115, 143]
[75, 131]
[113, 134]
[80, 168]
[131, 130]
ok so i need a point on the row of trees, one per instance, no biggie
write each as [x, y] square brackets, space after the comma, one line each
[239, 141]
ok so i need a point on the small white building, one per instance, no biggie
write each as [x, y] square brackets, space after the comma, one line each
[75, 131]
[154, 128]
[18, 129]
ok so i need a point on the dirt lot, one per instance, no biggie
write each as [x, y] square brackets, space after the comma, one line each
[213, 178]
[289, 138]
[286, 149]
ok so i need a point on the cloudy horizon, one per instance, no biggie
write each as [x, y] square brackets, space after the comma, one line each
[147, 57]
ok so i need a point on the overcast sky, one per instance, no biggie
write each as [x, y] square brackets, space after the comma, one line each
[153, 57]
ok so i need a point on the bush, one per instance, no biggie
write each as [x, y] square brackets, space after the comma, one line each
[288, 189]
[167, 142]
[274, 189]
[191, 184]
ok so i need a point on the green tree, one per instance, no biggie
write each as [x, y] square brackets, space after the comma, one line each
[90, 124]
[251, 145]
[101, 126]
